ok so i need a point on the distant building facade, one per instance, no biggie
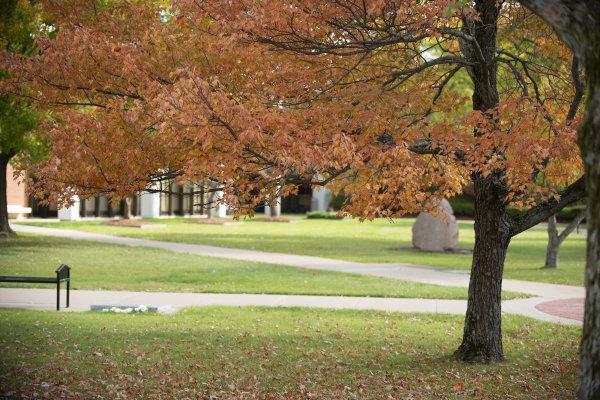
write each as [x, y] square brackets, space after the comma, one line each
[16, 196]
[181, 200]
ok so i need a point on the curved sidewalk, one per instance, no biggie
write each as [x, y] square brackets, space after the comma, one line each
[544, 292]
[167, 302]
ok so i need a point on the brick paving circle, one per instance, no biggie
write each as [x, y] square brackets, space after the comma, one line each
[565, 308]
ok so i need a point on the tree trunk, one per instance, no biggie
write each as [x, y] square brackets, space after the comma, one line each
[553, 243]
[5, 229]
[482, 336]
[555, 239]
[576, 22]
[589, 142]
[127, 208]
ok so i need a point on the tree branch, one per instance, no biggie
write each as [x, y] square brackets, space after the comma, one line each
[405, 74]
[571, 227]
[570, 19]
[529, 218]
[424, 146]
[579, 89]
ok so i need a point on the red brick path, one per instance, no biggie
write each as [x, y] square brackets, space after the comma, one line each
[565, 308]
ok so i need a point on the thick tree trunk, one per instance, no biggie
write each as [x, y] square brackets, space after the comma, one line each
[553, 244]
[5, 229]
[589, 142]
[482, 337]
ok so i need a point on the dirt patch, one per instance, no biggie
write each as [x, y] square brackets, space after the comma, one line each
[447, 251]
[133, 223]
[274, 219]
[217, 221]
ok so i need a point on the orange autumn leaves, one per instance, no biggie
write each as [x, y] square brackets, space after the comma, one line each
[195, 91]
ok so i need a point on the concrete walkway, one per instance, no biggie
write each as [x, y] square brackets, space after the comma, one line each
[167, 302]
[544, 292]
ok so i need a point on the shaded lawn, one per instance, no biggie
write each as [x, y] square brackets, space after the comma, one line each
[113, 267]
[270, 353]
[376, 241]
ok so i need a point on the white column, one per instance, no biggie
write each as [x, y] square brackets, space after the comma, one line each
[321, 197]
[219, 208]
[71, 212]
[277, 205]
[150, 205]
[277, 208]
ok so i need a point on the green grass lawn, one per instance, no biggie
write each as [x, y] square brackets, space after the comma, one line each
[267, 353]
[376, 241]
[113, 267]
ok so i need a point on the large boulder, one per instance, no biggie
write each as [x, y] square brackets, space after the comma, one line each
[436, 232]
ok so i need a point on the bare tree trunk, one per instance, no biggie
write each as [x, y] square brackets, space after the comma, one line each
[555, 239]
[127, 207]
[5, 229]
[589, 142]
[589, 139]
[553, 244]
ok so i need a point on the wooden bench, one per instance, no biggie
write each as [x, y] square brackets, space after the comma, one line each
[63, 274]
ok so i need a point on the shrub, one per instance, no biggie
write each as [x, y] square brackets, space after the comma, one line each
[323, 215]
[464, 207]
[337, 201]
[570, 212]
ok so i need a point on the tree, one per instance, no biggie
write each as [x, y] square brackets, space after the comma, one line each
[577, 22]
[555, 238]
[17, 23]
[415, 49]
[126, 207]
[358, 96]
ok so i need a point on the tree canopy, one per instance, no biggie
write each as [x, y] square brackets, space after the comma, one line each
[18, 22]
[396, 102]
[374, 99]
[18, 25]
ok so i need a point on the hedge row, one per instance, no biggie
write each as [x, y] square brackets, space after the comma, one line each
[466, 208]
[323, 215]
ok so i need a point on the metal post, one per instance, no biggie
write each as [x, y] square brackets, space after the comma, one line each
[57, 295]
[68, 288]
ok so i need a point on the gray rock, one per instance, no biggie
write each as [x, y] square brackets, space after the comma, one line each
[436, 232]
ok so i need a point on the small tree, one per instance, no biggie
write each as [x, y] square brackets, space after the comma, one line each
[556, 238]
